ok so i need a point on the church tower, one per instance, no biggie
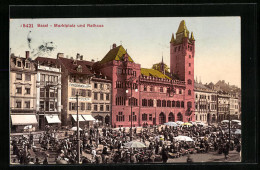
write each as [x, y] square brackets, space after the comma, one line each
[182, 50]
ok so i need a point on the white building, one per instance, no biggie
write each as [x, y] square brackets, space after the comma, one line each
[48, 87]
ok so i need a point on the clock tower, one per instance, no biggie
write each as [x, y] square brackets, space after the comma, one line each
[182, 50]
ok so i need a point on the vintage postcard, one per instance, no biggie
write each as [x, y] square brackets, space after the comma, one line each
[125, 90]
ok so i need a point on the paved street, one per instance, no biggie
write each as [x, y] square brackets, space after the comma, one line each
[208, 157]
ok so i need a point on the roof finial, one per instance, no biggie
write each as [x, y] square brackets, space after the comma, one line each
[192, 37]
[172, 40]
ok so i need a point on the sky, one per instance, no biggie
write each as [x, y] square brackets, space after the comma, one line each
[217, 41]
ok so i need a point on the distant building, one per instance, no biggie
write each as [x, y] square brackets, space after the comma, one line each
[205, 104]
[23, 93]
[223, 106]
[234, 108]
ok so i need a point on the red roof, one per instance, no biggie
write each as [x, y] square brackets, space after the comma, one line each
[47, 61]
[72, 65]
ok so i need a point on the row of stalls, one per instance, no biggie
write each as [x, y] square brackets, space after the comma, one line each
[84, 120]
[23, 123]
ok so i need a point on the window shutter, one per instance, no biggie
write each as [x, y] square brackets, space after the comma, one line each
[70, 106]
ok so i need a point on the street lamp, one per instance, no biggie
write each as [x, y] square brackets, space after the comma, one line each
[131, 101]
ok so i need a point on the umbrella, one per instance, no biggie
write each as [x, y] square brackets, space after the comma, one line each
[161, 137]
[183, 138]
[135, 144]
[238, 132]
[236, 121]
[75, 128]
[187, 124]
[171, 124]
[27, 127]
[224, 121]
[179, 122]
[200, 123]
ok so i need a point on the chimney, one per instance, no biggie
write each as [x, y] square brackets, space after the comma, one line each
[60, 55]
[114, 45]
[27, 54]
[81, 57]
[78, 56]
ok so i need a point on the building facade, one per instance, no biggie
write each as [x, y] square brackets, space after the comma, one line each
[101, 98]
[48, 88]
[205, 104]
[234, 108]
[23, 93]
[223, 106]
[76, 83]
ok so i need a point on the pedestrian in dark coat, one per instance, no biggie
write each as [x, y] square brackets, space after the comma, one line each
[164, 155]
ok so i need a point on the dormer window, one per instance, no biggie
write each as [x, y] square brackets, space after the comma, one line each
[19, 64]
[79, 69]
[75, 62]
[27, 65]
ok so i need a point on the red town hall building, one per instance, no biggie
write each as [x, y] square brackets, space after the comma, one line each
[158, 96]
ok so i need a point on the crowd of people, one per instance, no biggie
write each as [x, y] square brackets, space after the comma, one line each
[108, 145]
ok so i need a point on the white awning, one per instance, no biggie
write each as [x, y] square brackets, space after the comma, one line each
[53, 118]
[80, 118]
[88, 117]
[23, 119]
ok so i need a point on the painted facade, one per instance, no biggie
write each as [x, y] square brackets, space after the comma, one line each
[48, 88]
[22, 93]
[153, 96]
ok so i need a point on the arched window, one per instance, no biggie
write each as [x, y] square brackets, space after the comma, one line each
[178, 104]
[162, 118]
[189, 92]
[179, 116]
[159, 103]
[171, 117]
[168, 103]
[173, 103]
[189, 81]
[182, 104]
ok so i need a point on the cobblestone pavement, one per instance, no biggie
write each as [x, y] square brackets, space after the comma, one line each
[234, 156]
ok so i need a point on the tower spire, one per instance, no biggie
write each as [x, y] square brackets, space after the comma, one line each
[162, 57]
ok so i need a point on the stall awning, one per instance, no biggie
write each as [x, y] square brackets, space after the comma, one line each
[80, 118]
[88, 117]
[23, 119]
[53, 118]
